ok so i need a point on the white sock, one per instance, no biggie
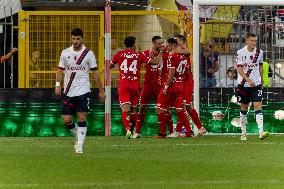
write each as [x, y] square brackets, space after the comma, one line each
[243, 121]
[81, 134]
[259, 120]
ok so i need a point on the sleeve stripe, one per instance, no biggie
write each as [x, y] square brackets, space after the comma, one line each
[60, 68]
[94, 69]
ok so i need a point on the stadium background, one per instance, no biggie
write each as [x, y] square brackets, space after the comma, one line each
[42, 31]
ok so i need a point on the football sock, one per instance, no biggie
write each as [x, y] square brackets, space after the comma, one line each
[244, 121]
[162, 118]
[81, 132]
[185, 121]
[170, 121]
[139, 122]
[133, 120]
[259, 120]
[194, 116]
[125, 120]
[179, 125]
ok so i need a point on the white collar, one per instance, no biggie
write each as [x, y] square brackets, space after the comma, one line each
[72, 49]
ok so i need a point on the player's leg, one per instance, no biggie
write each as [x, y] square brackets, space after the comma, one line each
[170, 122]
[125, 108]
[69, 124]
[134, 100]
[81, 131]
[182, 115]
[124, 101]
[244, 120]
[195, 118]
[133, 118]
[82, 104]
[244, 98]
[162, 108]
[68, 110]
[140, 120]
[144, 100]
[257, 104]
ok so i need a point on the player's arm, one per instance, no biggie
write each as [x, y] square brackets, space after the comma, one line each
[99, 83]
[156, 60]
[59, 72]
[184, 52]
[169, 80]
[244, 75]
[114, 60]
[9, 55]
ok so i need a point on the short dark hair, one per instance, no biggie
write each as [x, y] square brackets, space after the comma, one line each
[172, 41]
[77, 32]
[129, 41]
[155, 38]
[181, 37]
[250, 35]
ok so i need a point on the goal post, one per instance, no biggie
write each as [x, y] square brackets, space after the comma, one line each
[196, 34]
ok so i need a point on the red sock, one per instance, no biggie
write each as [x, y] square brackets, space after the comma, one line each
[139, 122]
[133, 119]
[125, 120]
[194, 116]
[179, 125]
[162, 123]
[185, 121]
[170, 122]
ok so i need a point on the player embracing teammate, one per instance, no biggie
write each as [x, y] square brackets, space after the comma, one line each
[129, 63]
[172, 91]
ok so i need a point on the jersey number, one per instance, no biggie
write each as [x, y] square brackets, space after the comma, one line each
[132, 67]
[181, 67]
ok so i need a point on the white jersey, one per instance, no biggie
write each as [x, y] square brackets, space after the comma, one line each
[76, 66]
[250, 62]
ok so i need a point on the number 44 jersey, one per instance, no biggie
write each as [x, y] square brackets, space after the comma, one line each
[129, 64]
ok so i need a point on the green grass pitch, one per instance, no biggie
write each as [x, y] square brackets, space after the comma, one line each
[219, 162]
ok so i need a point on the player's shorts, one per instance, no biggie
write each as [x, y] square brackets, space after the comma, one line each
[245, 95]
[187, 92]
[128, 95]
[173, 97]
[71, 105]
[148, 92]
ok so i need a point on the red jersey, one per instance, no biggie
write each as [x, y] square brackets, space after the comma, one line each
[164, 68]
[180, 64]
[152, 76]
[129, 64]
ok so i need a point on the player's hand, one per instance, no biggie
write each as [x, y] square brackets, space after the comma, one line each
[13, 50]
[58, 91]
[102, 96]
[251, 83]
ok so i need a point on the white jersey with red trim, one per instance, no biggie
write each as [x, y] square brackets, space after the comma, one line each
[76, 66]
[250, 62]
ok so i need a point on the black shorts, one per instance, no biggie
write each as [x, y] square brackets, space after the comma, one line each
[71, 105]
[246, 95]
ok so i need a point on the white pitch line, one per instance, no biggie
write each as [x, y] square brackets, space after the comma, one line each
[187, 182]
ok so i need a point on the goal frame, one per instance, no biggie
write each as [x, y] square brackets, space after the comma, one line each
[196, 34]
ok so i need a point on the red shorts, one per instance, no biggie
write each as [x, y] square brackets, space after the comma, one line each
[149, 91]
[128, 93]
[173, 97]
[187, 92]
